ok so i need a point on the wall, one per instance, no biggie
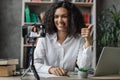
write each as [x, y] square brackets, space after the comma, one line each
[105, 4]
[10, 32]
[102, 4]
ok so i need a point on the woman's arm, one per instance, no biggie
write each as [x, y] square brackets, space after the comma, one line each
[84, 59]
[39, 57]
[85, 52]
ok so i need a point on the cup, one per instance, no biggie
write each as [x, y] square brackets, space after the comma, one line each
[82, 74]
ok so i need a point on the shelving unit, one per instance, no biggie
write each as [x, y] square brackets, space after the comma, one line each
[38, 7]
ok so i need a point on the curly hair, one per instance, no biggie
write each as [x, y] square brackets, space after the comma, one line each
[75, 18]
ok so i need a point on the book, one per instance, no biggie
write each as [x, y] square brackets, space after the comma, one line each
[8, 61]
[41, 16]
[7, 70]
[27, 14]
[33, 17]
[87, 18]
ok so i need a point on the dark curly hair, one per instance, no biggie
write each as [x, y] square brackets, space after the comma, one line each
[75, 18]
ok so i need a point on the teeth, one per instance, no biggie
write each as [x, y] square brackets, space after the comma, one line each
[60, 25]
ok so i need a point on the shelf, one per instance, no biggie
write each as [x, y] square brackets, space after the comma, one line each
[38, 3]
[41, 6]
[30, 23]
[82, 4]
[28, 45]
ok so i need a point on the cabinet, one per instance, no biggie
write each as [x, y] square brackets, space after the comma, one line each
[88, 9]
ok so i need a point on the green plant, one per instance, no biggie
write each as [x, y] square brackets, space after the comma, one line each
[108, 28]
[83, 69]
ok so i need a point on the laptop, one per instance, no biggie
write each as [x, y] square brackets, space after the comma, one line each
[108, 63]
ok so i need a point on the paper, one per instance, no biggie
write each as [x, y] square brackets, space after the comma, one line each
[45, 75]
[71, 75]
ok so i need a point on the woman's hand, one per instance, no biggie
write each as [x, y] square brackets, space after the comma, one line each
[58, 71]
[85, 32]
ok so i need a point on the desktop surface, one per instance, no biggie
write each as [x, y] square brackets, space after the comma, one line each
[106, 77]
[74, 77]
[33, 78]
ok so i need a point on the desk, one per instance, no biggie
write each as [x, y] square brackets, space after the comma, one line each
[33, 78]
[107, 77]
[61, 78]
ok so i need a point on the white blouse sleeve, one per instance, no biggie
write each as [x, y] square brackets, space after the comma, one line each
[85, 55]
[39, 56]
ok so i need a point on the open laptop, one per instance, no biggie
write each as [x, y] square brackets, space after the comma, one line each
[108, 63]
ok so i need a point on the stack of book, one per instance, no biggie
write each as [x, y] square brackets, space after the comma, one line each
[8, 66]
[31, 17]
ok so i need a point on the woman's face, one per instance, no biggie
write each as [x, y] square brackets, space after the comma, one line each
[61, 19]
[34, 29]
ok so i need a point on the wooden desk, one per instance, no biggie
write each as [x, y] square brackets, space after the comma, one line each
[107, 77]
[33, 78]
[61, 78]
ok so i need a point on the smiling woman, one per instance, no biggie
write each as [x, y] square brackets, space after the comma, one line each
[65, 45]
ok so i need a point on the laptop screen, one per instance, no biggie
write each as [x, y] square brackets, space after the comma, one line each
[109, 62]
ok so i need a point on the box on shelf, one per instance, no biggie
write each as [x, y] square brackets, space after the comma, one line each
[8, 67]
[7, 70]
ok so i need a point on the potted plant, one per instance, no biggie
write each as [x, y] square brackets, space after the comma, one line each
[108, 28]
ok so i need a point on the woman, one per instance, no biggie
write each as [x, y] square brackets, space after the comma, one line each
[65, 44]
[34, 32]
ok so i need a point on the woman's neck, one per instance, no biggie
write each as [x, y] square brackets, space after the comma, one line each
[61, 36]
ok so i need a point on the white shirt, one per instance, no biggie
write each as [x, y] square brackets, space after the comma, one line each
[34, 34]
[49, 52]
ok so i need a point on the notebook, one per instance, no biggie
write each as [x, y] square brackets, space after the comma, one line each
[108, 66]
